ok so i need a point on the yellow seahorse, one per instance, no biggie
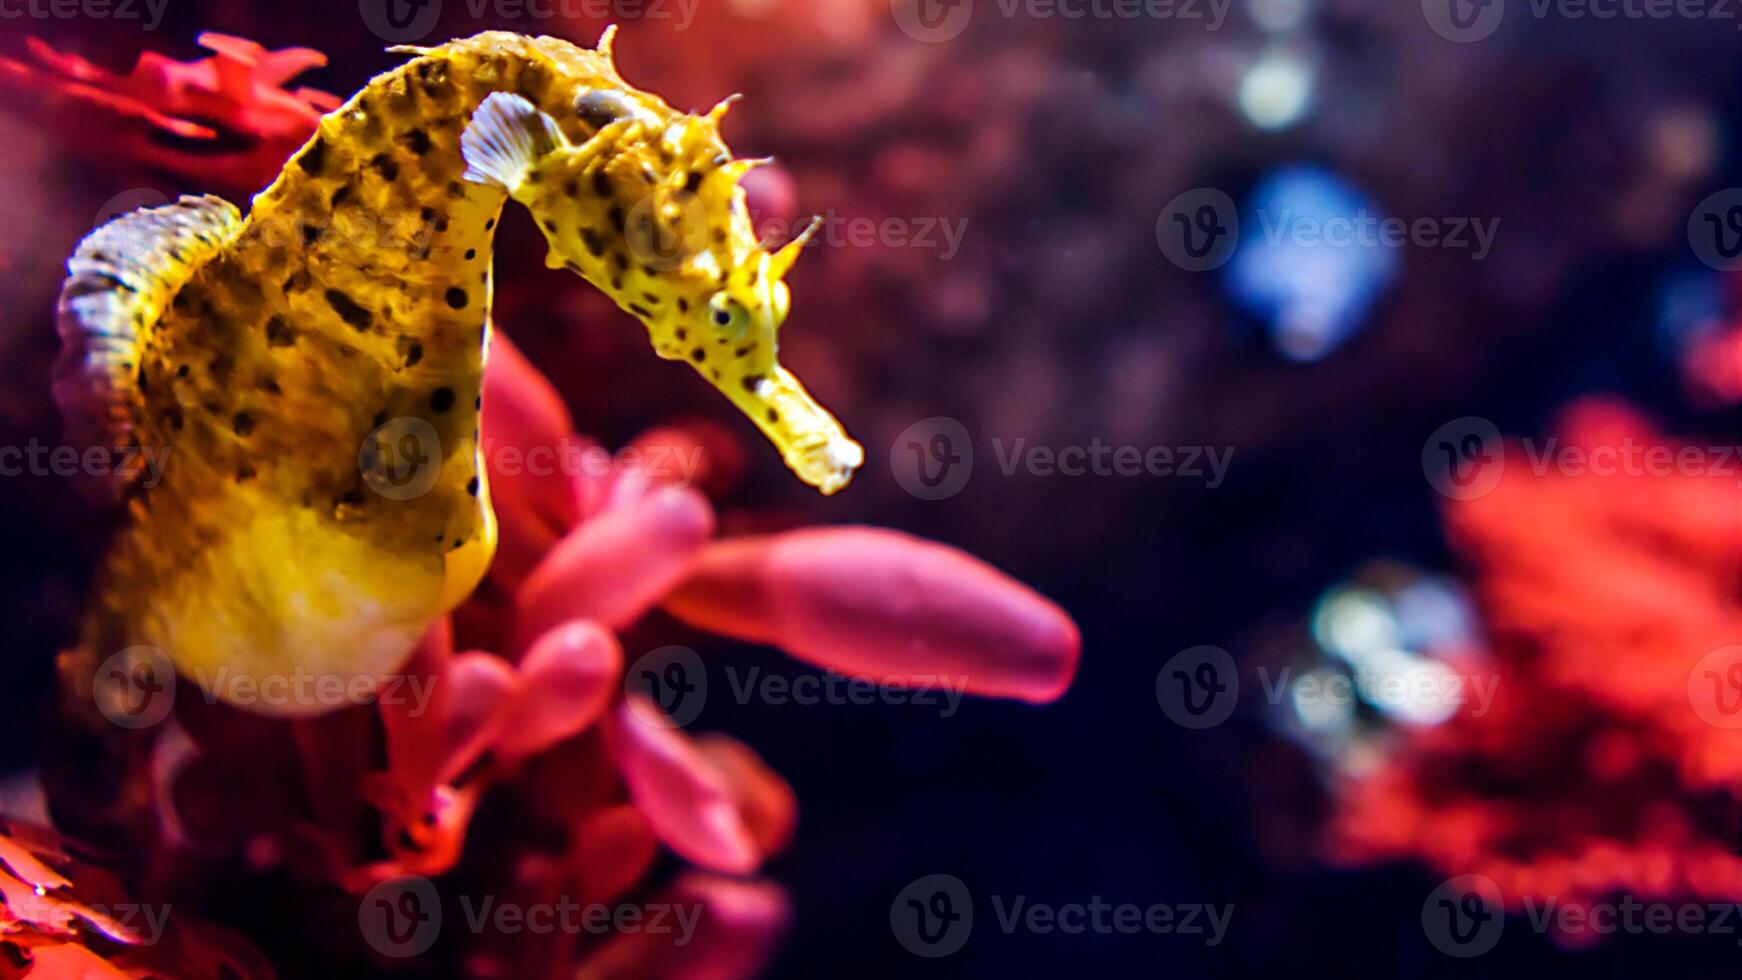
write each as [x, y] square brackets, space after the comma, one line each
[286, 360]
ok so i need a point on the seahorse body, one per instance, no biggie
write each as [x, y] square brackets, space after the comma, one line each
[314, 369]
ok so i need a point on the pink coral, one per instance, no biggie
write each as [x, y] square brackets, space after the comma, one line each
[369, 794]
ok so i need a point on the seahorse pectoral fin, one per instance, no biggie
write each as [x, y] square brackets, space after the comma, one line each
[507, 136]
[811, 441]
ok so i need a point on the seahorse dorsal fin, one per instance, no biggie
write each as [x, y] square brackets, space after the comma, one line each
[506, 136]
[119, 281]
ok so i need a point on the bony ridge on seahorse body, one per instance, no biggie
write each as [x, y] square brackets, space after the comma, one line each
[263, 351]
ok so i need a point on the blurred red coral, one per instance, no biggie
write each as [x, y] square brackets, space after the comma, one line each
[62, 917]
[1603, 764]
[226, 121]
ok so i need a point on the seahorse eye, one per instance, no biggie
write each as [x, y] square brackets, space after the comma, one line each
[599, 108]
[728, 314]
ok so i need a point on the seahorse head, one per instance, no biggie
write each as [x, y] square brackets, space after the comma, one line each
[648, 206]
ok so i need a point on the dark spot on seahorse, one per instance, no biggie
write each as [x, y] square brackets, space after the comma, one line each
[621, 260]
[314, 159]
[478, 400]
[386, 166]
[242, 423]
[297, 281]
[340, 196]
[490, 225]
[310, 234]
[639, 310]
[601, 183]
[181, 372]
[279, 333]
[617, 283]
[719, 237]
[221, 366]
[173, 416]
[269, 384]
[379, 420]
[773, 416]
[682, 334]
[244, 473]
[413, 353]
[417, 141]
[441, 400]
[456, 190]
[615, 215]
[698, 355]
[457, 298]
[533, 176]
[683, 305]
[651, 299]
[550, 226]
[471, 253]
[472, 486]
[572, 187]
[594, 243]
[694, 182]
[744, 351]
[348, 310]
[752, 382]
[458, 542]
[144, 389]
